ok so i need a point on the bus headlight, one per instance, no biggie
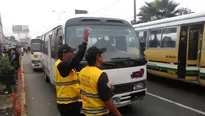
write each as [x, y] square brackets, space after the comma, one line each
[139, 85]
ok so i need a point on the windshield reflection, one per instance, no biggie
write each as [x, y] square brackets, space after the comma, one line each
[119, 41]
[35, 47]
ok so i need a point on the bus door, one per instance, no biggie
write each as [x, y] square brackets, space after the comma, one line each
[182, 53]
[202, 59]
[193, 50]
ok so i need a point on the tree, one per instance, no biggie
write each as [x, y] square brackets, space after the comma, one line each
[12, 38]
[7, 73]
[184, 11]
[158, 9]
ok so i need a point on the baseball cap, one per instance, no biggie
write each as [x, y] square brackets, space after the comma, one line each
[93, 52]
[65, 49]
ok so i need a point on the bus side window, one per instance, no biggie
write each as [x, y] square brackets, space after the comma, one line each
[142, 36]
[155, 38]
[59, 37]
[169, 37]
[53, 46]
[46, 43]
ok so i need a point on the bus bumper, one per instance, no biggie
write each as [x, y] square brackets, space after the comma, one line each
[37, 65]
[128, 98]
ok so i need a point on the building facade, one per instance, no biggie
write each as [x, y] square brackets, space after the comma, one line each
[1, 33]
[9, 43]
[24, 41]
[1, 36]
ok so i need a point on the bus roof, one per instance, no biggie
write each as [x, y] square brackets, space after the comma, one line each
[85, 20]
[174, 21]
[35, 40]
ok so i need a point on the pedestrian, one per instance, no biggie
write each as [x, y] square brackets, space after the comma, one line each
[67, 86]
[28, 48]
[96, 89]
[22, 51]
[14, 58]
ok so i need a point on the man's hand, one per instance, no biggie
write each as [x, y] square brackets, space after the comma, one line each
[86, 34]
[110, 85]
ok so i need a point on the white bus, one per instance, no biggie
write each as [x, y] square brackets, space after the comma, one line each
[35, 54]
[123, 60]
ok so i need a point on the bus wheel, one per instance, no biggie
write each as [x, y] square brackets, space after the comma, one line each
[46, 78]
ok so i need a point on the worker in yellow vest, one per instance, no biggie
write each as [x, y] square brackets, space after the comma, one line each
[67, 86]
[96, 90]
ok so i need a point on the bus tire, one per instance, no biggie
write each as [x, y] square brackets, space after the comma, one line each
[46, 78]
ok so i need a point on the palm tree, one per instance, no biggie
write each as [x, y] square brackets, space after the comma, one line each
[184, 11]
[157, 9]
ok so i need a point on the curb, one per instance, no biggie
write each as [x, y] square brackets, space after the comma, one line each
[24, 106]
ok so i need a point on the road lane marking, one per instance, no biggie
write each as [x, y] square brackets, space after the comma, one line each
[178, 104]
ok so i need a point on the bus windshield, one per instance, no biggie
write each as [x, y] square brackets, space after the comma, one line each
[35, 47]
[120, 41]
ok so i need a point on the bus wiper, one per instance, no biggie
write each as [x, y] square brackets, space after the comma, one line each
[128, 58]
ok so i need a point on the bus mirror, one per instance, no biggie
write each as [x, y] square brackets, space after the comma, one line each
[142, 44]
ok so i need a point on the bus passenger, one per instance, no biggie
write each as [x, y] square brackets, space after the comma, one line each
[67, 86]
[96, 89]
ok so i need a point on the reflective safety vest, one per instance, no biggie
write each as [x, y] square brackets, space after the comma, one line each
[92, 104]
[67, 88]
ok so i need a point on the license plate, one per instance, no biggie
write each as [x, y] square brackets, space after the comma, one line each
[116, 99]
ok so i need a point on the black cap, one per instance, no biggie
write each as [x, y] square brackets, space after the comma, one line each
[93, 52]
[65, 49]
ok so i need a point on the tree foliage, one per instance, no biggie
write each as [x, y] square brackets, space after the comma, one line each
[158, 9]
[6, 70]
[7, 73]
[12, 38]
[184, 11]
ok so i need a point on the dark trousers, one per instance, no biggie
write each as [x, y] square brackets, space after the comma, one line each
[72, 109]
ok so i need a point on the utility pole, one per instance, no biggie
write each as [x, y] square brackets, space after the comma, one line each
[135, 12]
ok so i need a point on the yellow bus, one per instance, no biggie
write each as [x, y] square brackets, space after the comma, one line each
[175, 47]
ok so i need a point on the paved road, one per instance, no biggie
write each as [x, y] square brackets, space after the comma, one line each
[164, 98]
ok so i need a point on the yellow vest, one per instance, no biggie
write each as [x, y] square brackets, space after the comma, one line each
[67, 88]
[92, 104]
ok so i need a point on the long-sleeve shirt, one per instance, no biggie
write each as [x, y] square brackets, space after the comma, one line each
[64, 68]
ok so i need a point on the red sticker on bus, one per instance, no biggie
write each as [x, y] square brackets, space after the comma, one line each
[137, 74]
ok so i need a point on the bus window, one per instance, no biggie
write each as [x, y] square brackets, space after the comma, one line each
[92, 41]
[43, 44]
[155, 38]
[111, 37]
[169, 37]
[59, 37]
[46, 44]
[36, 47]
[193, 44]
[53, 43]
[142, 36]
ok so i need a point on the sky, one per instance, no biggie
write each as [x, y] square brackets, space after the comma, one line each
[39, 15]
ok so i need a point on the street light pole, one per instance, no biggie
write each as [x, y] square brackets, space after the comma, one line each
[135, 12]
